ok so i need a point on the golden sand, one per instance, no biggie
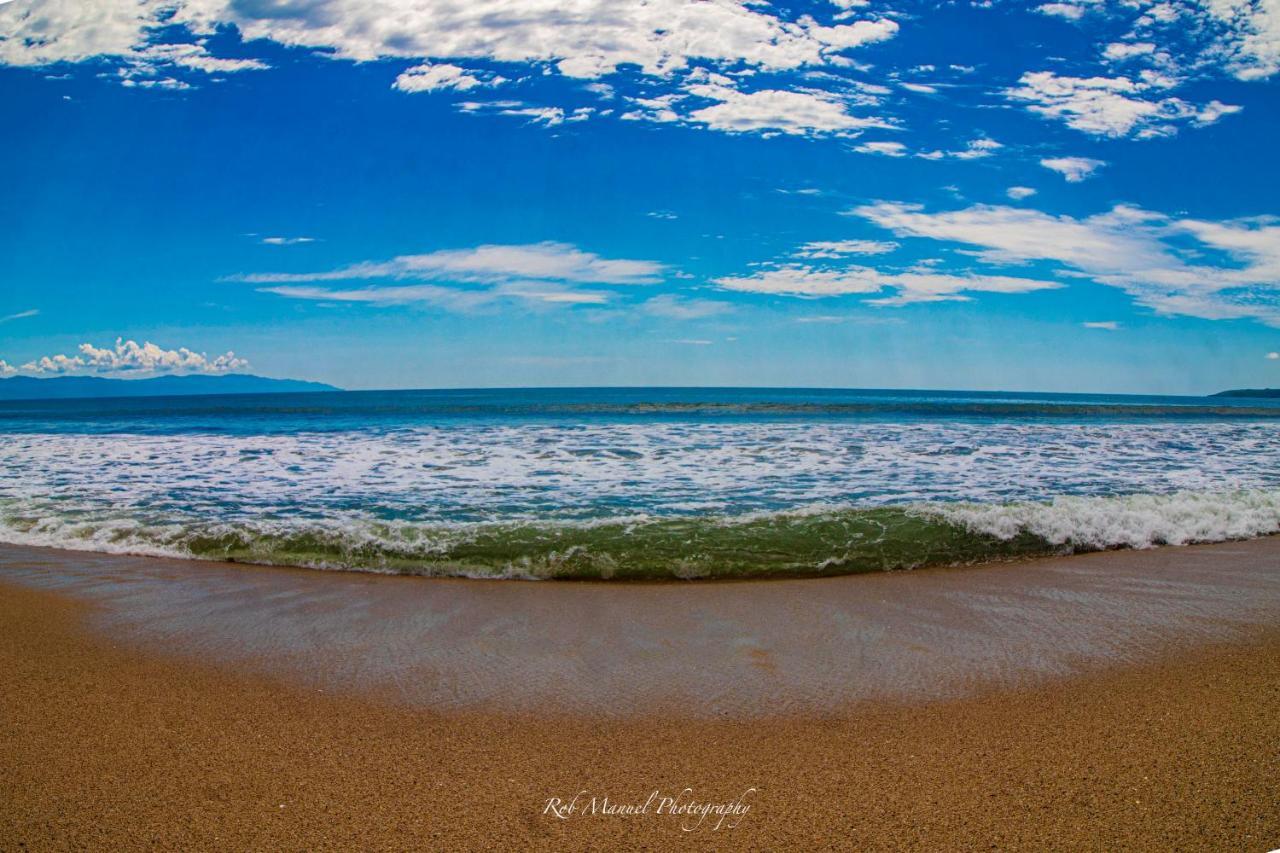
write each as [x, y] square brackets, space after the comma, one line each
[108, 747]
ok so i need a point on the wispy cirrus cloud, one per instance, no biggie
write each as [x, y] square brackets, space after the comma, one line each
[21, 315]
[286, 241]
[673, 307]
[1141, 252]
[469, 279]
[487, 263]
[903, 287]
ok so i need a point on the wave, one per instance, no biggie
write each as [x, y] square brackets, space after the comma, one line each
[818, 540]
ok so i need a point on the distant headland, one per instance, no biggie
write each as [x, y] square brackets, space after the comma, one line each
[77, 387]
[1249, 392]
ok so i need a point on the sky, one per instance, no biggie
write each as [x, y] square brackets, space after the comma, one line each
[1066, 196]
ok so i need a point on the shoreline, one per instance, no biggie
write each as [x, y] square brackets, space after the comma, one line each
[108, 744]
[750, 649]
[980, 564]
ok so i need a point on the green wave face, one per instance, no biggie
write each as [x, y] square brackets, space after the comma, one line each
[816, 541]
[833, 543]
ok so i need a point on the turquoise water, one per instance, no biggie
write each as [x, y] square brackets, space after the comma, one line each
[635, 483]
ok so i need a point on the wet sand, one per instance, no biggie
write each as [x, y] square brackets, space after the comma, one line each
[694, 649]
[175, 736]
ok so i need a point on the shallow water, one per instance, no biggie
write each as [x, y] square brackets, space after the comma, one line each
[744, 649]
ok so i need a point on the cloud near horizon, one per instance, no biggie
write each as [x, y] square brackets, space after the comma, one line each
[128, 356]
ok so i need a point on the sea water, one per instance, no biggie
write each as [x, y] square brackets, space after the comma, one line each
[635, 483]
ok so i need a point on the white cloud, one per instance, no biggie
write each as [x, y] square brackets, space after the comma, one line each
[21, 315]
[1272, 356]
[44, 32]
[911, 286]
[1108, 325]
[487, 264]
[1070, 11]
[1138, 251]
[887, 149]
[286, 241]
[588, 39]
[461, 299]
[975, 149]
[1112, 106]
[838, 248]
[1074, 169]
[777, 110]
[1019, 193]
[1120, 51]
[128, 356]
[435, 78]
[1249, 45]
[7, 369]
[533, 274]
[681, 308]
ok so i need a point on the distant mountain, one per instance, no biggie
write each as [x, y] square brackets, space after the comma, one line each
[68, 387]
[1249, 392]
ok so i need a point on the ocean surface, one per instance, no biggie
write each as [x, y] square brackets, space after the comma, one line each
[635, 483]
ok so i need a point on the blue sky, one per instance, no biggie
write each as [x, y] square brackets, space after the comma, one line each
[414, 193]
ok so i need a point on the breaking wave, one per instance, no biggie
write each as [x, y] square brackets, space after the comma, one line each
[817, 540]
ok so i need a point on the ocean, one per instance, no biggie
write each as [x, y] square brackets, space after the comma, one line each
[638, 483]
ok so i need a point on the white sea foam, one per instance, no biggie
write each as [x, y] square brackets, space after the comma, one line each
[1131, 521]
[476, 472]
[425, 490]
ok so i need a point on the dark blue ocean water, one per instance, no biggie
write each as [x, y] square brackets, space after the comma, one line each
[355, 410]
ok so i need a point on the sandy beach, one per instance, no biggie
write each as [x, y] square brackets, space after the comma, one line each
[110, 741]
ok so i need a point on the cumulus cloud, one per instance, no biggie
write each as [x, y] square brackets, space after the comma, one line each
[1248, 40]
[1108, 325]
[666, 40]
[1271, 356]
[1019, 193]
[443, 76]
[1073, 169]
[1069, 11]
[1141, 252]
[780, 111]
[1113, 106]
[7, 369]
[887, 149]
[128, 356]
[44, 32]
[974, 150]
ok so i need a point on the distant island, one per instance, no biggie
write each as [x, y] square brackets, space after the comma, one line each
[1249, 392]
[77, 387]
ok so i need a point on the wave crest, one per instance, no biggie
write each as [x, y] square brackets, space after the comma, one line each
[816, 540]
